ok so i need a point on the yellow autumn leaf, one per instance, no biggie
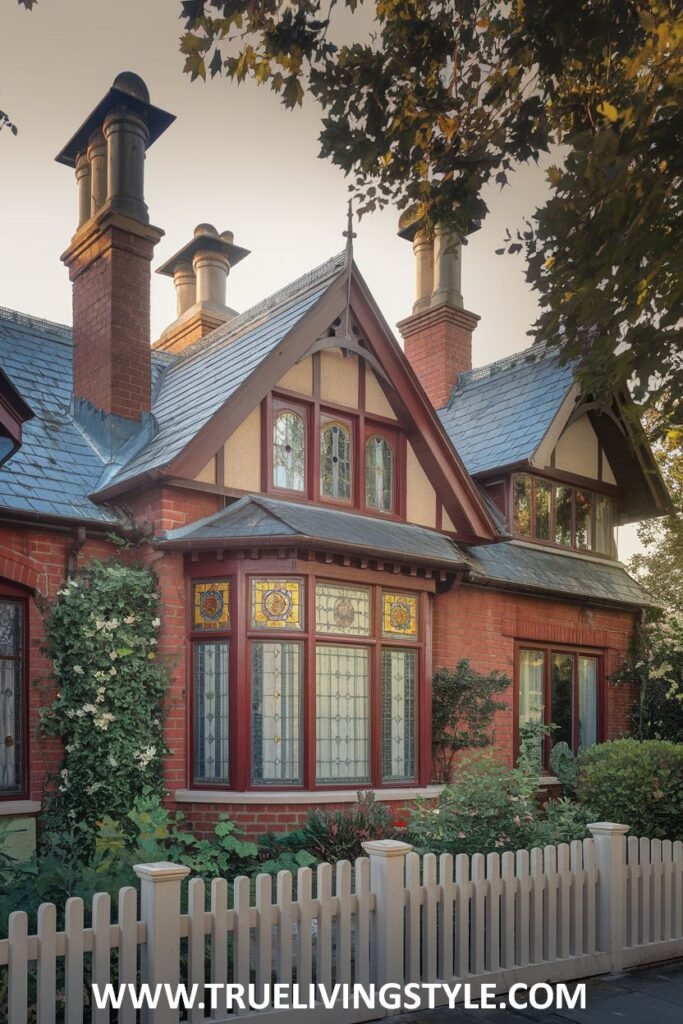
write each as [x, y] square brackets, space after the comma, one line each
[609, 111]
[549, 263]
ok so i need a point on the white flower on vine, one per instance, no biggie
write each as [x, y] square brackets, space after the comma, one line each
[153, 642]
[156, 623]
[143, 757]
[78, 670]
[129, 620]
[113, 655]
[103, 720]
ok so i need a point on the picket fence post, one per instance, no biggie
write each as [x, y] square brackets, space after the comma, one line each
[387, 882]
[160, 955]
[610, 857]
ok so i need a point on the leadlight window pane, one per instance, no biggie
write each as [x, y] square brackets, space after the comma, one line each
[584, 519]
[211, 711]
[277, 604]
[563, 515]
[522, 505]
[11, 695]
[342, 715]
[399, 616]
[399, 669]
[211, 605]
[276, 713]
[531, 687]
[588, 702]
[289, 450]
[379, 474]
[542, 531]
[562, 692]
[604, 525]
[335, 461]
[342, 611]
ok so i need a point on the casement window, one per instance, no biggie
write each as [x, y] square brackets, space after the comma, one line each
[379, 474]
[560, 514]
[330, 702]
[289, 449]
[13, 695]
[336, 455]
[561, 687]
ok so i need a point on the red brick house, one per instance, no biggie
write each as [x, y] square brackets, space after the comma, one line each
[331, 517]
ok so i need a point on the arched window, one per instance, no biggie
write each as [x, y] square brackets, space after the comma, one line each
[289, 450]
[379, 473]
[335, 461]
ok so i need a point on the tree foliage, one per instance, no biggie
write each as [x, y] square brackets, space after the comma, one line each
[447, 96]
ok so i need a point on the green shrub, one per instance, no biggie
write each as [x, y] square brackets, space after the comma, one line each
[637, 783]
[561, 821]
[488, 807]
[563, 766]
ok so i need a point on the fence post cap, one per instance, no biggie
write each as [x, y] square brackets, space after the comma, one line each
[608, 828]
[386, 848]
[161, 871]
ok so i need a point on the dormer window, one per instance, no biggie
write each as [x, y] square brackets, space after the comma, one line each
[563, 515]
[289, 450]
[379, 474]
[335, 460]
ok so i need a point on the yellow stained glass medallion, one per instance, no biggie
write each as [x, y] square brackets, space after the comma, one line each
[276, 604]
[399, 615]
[211, 605]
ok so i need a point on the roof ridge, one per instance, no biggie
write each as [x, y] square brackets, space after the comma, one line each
[534, 352]
[293, 290]
[264, 501]
[27, 320]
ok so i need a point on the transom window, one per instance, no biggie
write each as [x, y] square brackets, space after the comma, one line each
[331, 702]
[558, 513]
[560, 687]
[12, 695]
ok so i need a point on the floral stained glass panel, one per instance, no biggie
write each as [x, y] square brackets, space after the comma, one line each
[276, 747]
[211, 605]
[342, 611]
[211, 711]
[277, 604]
[399, 615]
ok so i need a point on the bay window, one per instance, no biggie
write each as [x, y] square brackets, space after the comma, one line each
[12, 695]
[326, 672]
[561, 514]
[560, 687]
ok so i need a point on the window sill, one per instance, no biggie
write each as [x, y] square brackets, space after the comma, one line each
[8, 807]
[548, 780]
[328, 796]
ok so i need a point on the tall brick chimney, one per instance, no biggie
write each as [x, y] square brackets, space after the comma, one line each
[109, 262]
[200, 273]
[438, 334]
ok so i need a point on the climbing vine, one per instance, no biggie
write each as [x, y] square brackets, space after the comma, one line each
[102, 637]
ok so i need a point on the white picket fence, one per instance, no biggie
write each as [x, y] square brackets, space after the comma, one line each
[561, 913]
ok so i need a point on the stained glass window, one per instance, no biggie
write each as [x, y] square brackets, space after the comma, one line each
[277, 604]
[276, 713]
[343, 611]
[379, 474]
[211, 711]
[399, 674]
[335, 461]
[289, 450]
[11, 694]
[342, 714]
[211, 605]
[399, 615]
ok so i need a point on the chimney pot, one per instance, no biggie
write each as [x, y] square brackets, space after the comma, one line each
[205, 229]
[185, 281]
[97, 156]
[127, 139]
[212, 269]
[84, 190]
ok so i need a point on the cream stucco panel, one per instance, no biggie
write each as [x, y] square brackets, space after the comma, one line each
[420, 495]
[208, 473]
[243, 455]
[339, 378]
[375, 399]
[607, 474]
[299, 377]
[447, 523]
[577, 449]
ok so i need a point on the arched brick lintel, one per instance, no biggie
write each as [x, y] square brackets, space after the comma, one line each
[18, 568]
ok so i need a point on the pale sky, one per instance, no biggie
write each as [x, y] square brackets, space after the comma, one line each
[234, 157]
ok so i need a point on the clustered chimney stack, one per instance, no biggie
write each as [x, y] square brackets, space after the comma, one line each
[200, 274]
[438, 334]
[109, 261]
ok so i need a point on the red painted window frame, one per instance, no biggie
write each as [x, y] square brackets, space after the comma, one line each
[548, 650]
[240, 572]
[16, 593]
[593, 488]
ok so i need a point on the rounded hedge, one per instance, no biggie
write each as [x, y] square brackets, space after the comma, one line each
[636, 783]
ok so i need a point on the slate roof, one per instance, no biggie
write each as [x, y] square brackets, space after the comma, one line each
[56, 467]
[498, 414]
[516, 565]
[201, 379]
[254, 517]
